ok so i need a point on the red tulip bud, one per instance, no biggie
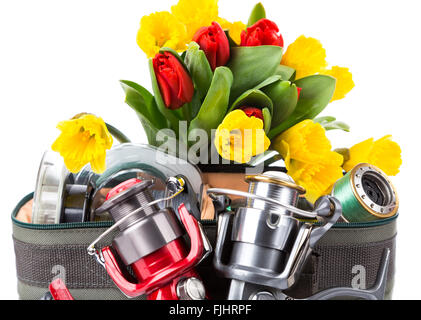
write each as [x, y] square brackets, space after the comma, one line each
[214, 42]
[299, 91]
[253, 112]
[174, 81]
[263, 32]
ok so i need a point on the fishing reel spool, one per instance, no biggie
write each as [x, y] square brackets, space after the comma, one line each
[60, 196]
[366, 194]
[149, 240]
[269, 241]
[63, 197]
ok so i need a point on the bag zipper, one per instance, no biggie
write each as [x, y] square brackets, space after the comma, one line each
[207, 222]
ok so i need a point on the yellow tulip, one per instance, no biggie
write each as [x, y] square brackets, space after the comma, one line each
[239, 137]
[83, 139]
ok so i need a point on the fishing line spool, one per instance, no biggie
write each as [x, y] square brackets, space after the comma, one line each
[366, 194]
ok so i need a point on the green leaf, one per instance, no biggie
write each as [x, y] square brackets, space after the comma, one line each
[171, 115]
[337, 125]
[199, 68]
[150, 131]
[196, 103]
[267, 119]
[257, 13]
[286, 73]
[324, 120]
[284, 96]
[215, 105]
[140, 100]
[253, 98]
[316, 93]
[268, 81]
[330, 123]
[344, 152]
[251, 66]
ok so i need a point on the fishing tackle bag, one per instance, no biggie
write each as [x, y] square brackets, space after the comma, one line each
[349, 255]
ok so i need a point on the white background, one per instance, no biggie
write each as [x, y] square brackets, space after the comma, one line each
[59, 58]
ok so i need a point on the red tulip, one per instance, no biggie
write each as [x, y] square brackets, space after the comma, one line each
[174, 81]
[263, 32]
[299, 91]
[253, 112]
[214, 42]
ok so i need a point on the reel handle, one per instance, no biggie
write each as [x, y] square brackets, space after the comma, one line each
[331, 209]
[131, 289]
[59, 290]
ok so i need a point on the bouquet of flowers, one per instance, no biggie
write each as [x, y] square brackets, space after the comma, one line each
[234, 90]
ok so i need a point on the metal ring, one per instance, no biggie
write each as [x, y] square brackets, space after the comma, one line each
[266, 179]
[392, 208]
[302, 213]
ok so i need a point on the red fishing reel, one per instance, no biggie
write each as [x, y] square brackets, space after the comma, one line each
[150, 241]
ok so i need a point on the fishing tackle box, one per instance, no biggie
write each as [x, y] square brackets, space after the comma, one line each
[348, 255]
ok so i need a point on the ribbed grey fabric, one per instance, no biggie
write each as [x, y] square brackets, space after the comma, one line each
[29, 292]
[334, 265]
[36, 263]
[331, 265]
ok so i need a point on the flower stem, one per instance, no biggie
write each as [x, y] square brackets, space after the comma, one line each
[120, 136]
[186, 109]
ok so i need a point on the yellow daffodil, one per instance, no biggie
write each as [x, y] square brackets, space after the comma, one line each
[317, 178]
[308, 158]
[306, 141]
[383, 153]
[83, 139]
[195, 14]
[235, 28]
[239, 137]
[306, 55]
[344, 82]
[161, 29]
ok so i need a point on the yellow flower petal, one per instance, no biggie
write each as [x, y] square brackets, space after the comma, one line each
[317, 178]
[344, 82]
[309, 158]
[306, 56]
[235, 28]
[83, 140]
[383, 153]
[195, 14]
[307, 142]
[238, 138]
[161, 29]
[359, 153]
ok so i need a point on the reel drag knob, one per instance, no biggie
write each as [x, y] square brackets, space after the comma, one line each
[191, 289]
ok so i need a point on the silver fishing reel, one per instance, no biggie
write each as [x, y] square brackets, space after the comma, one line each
[59, 195]
[270, 239]
[62, 197]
